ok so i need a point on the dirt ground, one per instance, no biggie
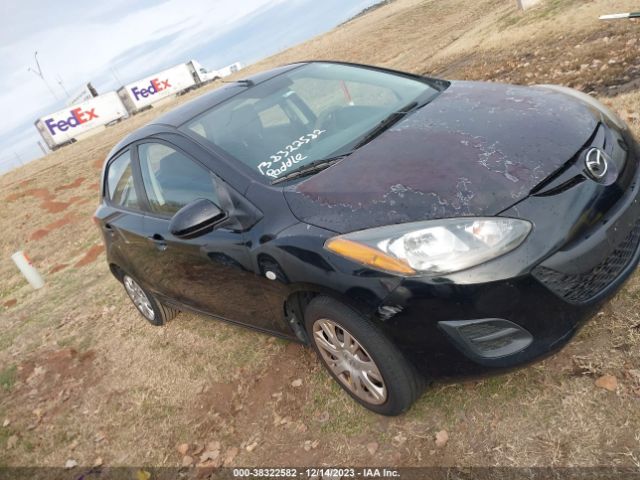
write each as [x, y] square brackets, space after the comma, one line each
[84, 378]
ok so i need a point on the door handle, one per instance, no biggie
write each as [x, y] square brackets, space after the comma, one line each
[159, 241]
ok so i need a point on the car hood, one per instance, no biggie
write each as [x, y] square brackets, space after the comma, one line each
[475, 150]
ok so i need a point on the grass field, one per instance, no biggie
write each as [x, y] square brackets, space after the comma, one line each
[84, 377]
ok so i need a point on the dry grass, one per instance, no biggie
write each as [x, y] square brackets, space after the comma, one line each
[83, 376]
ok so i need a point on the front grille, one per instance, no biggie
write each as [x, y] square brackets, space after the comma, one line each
[582, 287]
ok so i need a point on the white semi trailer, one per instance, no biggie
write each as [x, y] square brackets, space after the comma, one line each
[229, 70]
[80, 120]
[85, 117]
[170, 82]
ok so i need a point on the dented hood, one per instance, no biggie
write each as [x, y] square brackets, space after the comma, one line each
[475, 150]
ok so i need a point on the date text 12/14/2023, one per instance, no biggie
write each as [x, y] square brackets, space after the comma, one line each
[320, 472]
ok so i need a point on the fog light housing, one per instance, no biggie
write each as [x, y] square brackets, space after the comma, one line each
[487, 338]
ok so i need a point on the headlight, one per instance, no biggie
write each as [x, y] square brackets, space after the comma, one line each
[432, 247]
[592, 102]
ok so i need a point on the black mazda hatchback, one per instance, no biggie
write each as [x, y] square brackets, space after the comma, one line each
[407, 228]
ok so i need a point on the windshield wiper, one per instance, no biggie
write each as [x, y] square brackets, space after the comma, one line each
[385, 124]
[310, 168]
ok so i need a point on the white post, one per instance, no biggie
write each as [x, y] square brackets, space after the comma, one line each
[524, 4]
[28, 270]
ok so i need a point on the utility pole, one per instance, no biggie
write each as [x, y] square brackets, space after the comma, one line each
[62, 86]
[39, 74]
[44, 150]
[115, 75]
[19, 158]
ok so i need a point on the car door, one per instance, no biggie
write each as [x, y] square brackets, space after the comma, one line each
[213, 272]
[122, 219]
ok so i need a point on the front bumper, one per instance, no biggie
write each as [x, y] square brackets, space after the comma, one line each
[583, 247]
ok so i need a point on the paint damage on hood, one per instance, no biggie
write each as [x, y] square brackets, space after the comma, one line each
[475, 150]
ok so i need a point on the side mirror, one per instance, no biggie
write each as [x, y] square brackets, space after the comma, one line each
[196, 218]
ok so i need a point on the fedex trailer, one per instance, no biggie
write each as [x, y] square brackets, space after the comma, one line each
[80, 120]
[149, 90]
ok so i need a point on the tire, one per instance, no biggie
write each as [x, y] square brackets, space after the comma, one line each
[379, 377]
[149, 307]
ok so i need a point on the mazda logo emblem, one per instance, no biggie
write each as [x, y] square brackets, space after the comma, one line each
[597, 163]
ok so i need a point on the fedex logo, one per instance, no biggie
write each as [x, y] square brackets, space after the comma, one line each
[78, 117]
[154, 87]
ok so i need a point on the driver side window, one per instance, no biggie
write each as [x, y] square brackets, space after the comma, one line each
[172, 180]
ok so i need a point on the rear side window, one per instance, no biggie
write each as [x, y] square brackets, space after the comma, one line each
[273, 116]
[324, 95]
[120, 187]
[172, 180]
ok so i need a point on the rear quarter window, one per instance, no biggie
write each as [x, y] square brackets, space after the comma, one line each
[120, 187]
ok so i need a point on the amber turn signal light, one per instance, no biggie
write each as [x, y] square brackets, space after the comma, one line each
[367, 256]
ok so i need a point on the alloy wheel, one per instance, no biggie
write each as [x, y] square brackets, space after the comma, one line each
[138, 297]
[349, 361]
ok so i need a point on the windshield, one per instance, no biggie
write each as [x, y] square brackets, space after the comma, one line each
[315, 112]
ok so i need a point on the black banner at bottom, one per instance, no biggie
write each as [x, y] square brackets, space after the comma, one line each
[321, 473]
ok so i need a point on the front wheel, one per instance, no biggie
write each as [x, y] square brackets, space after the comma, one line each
[151, 309]
[361, 358]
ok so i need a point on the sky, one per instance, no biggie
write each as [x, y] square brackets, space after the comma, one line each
[119, 41]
